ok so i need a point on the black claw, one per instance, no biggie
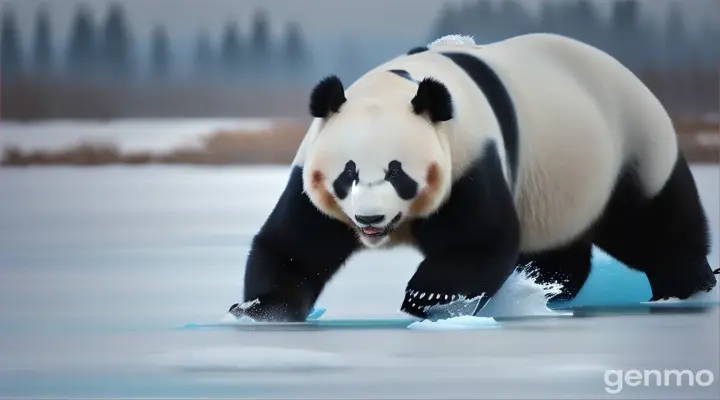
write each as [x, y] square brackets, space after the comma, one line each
[716, 272]
[236, 311]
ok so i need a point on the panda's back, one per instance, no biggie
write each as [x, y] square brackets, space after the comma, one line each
[583, 119]
[581, 115]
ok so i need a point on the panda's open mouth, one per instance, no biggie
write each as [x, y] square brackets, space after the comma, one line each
[380, 231]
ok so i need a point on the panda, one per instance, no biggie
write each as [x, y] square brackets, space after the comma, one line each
[526, 151]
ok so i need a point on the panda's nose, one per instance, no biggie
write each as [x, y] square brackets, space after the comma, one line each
[369, 219]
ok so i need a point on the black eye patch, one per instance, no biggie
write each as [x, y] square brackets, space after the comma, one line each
[344, 181]
[405, 186]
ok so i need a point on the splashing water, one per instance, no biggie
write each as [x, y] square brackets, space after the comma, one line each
[520, 296]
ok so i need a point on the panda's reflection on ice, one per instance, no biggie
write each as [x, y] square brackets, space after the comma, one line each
[531, 149]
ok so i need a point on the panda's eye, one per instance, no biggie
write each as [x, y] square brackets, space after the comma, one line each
[394, 173]
[351, 174]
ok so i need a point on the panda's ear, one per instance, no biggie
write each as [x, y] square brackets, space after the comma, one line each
[433, 99]
[327, 97]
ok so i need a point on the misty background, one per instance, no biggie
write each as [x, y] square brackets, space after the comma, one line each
[106, 59]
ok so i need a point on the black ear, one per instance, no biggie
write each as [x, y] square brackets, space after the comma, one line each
[434, 99]
[327, 97]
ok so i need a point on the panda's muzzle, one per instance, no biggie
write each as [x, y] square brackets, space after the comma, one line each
[371, 229]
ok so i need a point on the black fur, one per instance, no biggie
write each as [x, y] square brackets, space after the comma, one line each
[471, 243]
[403, 74]
[497, 95]
[296, 252]
[344, 181]
[433, 98]
[327, 97]
[667, 237]
[405, 186]
[569, 265]
[416, 50]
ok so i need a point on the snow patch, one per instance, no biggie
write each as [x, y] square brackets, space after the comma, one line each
[454, 40]
[454, 323]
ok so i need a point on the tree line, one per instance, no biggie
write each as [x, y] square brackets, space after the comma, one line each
[679, 63]
[108, 49]
[669, 44]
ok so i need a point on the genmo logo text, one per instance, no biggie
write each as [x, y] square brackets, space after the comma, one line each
[617, 379]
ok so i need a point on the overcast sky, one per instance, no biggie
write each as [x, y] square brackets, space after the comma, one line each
[319, 17]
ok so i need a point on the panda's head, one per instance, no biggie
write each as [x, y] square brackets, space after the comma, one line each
[379, 158]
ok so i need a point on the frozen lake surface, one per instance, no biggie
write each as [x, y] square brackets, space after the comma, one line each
[102, 267]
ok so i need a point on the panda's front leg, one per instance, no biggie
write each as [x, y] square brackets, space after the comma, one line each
[468, 281]
[296, 252]
[280, 287]
[471, 244]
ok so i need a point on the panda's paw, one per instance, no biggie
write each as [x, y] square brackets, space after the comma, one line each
[659, 298]
[682, 295]
[679, 295]
[240, 310]
[434, 305]
[267, 310]
[420, 303]
[682, 286]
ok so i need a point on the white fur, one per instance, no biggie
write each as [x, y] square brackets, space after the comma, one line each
[582, 116]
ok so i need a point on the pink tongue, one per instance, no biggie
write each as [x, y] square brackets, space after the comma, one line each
[371, 231]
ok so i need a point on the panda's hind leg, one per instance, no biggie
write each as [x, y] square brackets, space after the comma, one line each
[568, 266]
[666, 236]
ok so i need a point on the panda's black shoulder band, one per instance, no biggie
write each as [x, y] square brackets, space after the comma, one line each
[403, 74]
[502, 105]
[417, 50]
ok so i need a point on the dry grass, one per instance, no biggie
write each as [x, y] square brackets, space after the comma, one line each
[275, 146]
[694, 126]
[699, 140]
